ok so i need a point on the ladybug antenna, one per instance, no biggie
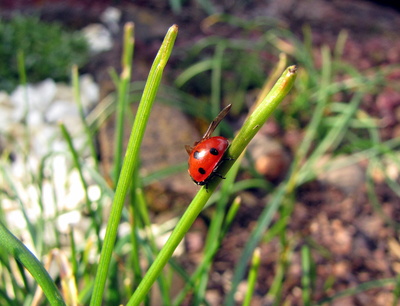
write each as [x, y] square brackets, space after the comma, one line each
[189, 149]
[216, 121]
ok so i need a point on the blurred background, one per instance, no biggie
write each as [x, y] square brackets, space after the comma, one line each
[333, 239]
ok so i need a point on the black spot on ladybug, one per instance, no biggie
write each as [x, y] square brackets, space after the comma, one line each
[214, 151]
[202, 171]
[196, 155]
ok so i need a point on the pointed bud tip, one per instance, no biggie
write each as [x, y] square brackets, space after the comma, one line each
[293, 69]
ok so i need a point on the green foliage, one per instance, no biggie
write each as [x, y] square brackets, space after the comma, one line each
[49, 50]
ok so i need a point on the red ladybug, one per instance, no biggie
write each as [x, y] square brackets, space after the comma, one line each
[206, 155]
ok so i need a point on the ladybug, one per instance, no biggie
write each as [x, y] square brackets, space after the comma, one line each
[206, 155]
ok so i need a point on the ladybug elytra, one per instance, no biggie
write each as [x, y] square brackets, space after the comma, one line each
[206, 155]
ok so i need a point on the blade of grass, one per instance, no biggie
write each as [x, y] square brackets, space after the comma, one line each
[252, 279]
[74, 254]
[22, 270]
[40, 183]
[5, 300]
[123, 93]
[287, 248]
[396, 291]
[391, 182]
[23, 82]
[15, 196]
[358, 289]
[163, 173]
[192, 71]
[130, 161]
[19, 251]
[306, 275]
[78, 166]
[373, 197]
[340, 43]
[5, 262]
[231, 214]
[78, 100]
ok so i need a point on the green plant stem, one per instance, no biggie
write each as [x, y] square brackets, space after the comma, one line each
[77, 97]
[75, 158]
[19, 251]
[239, 143]
[21, 67]
[123, 93]
[358, 289]
[74, 256]
[130, 161]
[306, 275]
[231, 214]
[396, 291]
[252, 279]
[275, 291]
[31, 229]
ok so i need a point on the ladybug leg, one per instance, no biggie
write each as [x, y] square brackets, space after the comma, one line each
[219, 175]
[216, 168]
[211, 176]
[214, 173]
